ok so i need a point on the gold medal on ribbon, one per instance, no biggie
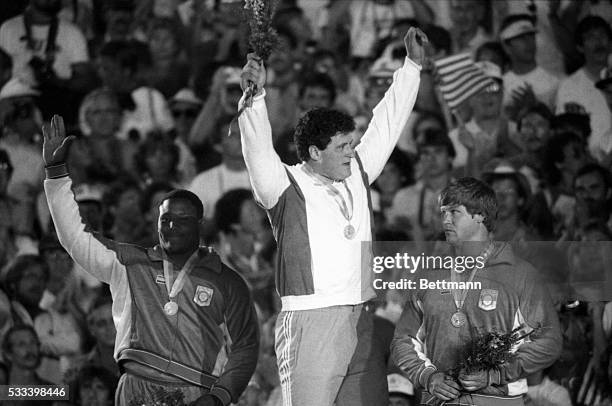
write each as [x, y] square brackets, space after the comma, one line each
[171, 308]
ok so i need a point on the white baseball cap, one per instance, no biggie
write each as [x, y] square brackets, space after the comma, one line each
[16, 87]
[490, 69]
[186, 95]
[517, 28]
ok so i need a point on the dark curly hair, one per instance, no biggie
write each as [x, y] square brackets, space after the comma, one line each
[7, 346]
[15, 270]
[153, 143]
[317, 127]
[475, 195]
[86, 375]
[227, 209]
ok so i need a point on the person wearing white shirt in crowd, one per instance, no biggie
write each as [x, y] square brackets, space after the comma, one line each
[372, 21]
[185, 106]
[120, 65]
[489, 132]
[525, 81]
[466, 31]
[594, 41]
[27, 36]
[232, 173]
[416, 206]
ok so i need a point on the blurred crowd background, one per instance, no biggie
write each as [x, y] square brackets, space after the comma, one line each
[150, 88]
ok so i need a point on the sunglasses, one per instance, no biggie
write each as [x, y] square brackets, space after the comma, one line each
[493, 88]
[23, 110]
[187, 113]
[381, 81]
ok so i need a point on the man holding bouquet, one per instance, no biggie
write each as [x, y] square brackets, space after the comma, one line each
[436, 325]
[320, 211]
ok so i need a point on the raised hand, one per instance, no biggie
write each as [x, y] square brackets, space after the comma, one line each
[253, 72]
[56, 144]
[415, 42]
[523, 96]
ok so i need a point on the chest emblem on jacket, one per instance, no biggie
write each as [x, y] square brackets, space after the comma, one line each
[203, 295]
[488, 299]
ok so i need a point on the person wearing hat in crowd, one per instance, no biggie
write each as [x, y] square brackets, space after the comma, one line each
[513, 193]
[401, 390]
[185, 107]
[416, 207]
[320, 211]
[195, 330]
[593, 38]
[437, 324]
[525, 81]
[20, 120]
[489, 133]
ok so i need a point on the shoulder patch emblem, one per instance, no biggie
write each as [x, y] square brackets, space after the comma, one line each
[488, 299]
[203, 295]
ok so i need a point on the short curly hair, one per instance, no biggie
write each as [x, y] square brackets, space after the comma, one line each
[317, 127]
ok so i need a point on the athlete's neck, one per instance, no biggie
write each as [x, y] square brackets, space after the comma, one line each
[179, 260]
[314, 168]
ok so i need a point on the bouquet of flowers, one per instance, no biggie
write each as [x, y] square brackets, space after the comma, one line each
[489, 350]
[263, 38]
[160, 397]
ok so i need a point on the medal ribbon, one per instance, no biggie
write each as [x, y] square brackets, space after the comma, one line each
[335, 193]
[175, 287]
[459, 302]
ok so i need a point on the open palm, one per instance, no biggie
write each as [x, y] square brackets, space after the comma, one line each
[56, 144]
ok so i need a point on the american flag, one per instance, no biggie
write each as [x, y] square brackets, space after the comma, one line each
[459, 78]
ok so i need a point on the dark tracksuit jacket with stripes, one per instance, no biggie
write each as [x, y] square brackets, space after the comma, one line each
[511, 296]
[215, 331]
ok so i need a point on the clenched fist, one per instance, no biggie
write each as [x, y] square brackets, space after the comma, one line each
[253, 72]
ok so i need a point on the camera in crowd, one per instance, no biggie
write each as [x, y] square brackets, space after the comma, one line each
[42, 68]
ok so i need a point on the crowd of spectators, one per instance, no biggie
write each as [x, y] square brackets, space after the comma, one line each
[151, 87]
